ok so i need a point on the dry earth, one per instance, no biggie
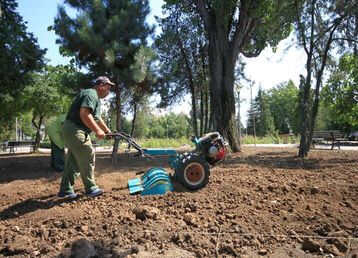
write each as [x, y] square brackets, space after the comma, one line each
[263, 202]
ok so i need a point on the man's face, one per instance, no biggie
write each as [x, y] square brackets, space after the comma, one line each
[103, 90]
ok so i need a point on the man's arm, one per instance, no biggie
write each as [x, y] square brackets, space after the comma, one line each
[103, 126]
[87, 118]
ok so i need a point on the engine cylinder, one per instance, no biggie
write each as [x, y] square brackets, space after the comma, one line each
[213, 151]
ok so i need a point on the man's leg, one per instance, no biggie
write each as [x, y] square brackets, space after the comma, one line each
[85, 158]
[81, 147]
[52, 155]
[69, 174]
[58, 159]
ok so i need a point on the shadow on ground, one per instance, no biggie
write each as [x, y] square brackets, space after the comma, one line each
[31, 205]
[288, 160]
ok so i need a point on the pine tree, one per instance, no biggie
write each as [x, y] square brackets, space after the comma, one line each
[260, 118]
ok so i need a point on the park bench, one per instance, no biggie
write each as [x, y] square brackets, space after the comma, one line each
[333, 136]
[13, 145]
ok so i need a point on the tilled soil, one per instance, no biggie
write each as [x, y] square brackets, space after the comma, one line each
[263, 202]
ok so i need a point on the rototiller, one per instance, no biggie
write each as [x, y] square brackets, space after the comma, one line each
[191, 169]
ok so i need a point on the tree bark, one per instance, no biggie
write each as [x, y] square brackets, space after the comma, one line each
[134, 118]
[305, 87]
[319, 83]
[221, 85]
[118, 123]
[207, 113]
[38, 129]
[205, 94]
[202, 112]
[226, 42]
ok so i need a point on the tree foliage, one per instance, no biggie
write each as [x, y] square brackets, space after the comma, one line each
[283, 102]
[170, 125]
[340, 94]
[43, 97]
[260, 118]
[20, 55]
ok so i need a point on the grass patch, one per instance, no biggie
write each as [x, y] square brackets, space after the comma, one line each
[164, 143]
[270, 139]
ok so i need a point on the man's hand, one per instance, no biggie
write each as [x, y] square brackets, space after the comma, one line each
[88, 120]
[100, 134]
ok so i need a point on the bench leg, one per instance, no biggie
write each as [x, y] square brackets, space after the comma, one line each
[337, 144]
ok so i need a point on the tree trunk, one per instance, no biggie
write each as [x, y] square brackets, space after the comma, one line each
[38, 130]
[318, 84]
[118, 124]
[305, 88]
[205, 93]
[222, 94]
[134, 118]
[202, 117]
[305, 110]
[239, 116]
[207, 113]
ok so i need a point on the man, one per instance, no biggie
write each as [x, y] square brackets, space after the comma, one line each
[54, 132]
[83, 118]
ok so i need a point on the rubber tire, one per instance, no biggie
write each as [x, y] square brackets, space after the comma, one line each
[183, 177]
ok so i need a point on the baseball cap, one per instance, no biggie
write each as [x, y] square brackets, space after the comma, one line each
[103, 79]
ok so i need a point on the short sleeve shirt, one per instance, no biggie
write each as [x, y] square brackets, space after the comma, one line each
[85, 99]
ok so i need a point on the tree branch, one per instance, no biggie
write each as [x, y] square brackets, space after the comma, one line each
[244, 28]
[204, 13]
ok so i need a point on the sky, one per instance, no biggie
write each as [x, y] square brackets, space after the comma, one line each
[266, 71]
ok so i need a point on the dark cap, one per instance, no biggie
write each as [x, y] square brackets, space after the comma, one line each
[103, 80]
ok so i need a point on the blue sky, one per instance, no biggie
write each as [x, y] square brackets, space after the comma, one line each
[267, 70]
[39, 14]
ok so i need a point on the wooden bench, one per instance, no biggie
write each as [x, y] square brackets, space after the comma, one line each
[333, 136]
[13, 145]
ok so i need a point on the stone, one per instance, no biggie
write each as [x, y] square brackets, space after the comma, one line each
[262, 252]
[146, 212]
[311, 245]
[82, 248]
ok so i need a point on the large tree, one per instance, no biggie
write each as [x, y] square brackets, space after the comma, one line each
[322, 26]
[182, 52]
[283, 105]
[20, 55]
[105, 37]
[233, 28]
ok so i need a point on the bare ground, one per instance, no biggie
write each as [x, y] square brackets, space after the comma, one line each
[263, 202]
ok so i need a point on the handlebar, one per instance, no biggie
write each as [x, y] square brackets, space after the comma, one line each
[130, 141]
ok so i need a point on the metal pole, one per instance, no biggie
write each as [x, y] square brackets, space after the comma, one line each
[16, 128]
[253, 114]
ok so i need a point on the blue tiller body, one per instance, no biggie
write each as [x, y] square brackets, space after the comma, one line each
[191, 169]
